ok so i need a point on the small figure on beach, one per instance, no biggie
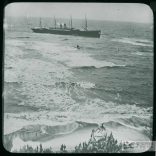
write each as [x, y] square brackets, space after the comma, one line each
[92, 137]
[101, 128]
[63, 148]
[78, 47]
[92, 134]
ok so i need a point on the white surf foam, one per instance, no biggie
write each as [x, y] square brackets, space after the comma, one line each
[35, 73]
[84, 60]
[70, 56]
[143, 54]
[134, 41]
[14, 42]
[86, 85]
[92, 110]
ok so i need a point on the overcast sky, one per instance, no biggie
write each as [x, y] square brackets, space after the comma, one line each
[131, 12]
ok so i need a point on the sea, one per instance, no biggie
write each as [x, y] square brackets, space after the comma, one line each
[48, 81]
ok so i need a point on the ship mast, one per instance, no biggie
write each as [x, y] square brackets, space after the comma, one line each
[40, 23]
[85, 23]
[71, 22]
[54, 22]
[28, 21]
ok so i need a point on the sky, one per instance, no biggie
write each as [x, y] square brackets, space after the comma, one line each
[128, 12]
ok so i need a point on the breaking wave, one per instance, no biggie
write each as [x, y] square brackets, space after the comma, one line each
[98, 67]
[143, 54]
[35, 132]
[90, 63]
[23, 37]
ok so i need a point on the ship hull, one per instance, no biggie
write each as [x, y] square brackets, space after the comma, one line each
[73, 32]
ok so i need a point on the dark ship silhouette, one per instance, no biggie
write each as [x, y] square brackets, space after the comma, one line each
[64, 30]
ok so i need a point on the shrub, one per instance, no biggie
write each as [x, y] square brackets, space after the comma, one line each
[107, 144]
[7, 143]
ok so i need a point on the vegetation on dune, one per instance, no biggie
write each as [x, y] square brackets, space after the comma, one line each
[30, 149]
[106, 144]
[7, 143]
